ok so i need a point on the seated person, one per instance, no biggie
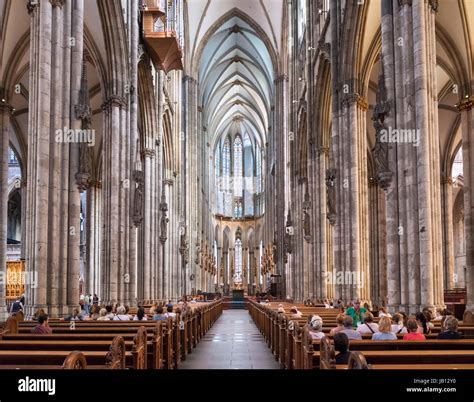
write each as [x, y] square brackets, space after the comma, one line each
[341, 345]
[413, 334]
[398, 326]
[295, 313]
[159, 316]
[169, 312]
[340, 326]
[384, 313]
[348, 323]
[369, 326]
[43, 327]
[423, 327]
[121, 314]
[141, 316]
[169, 304]
[316, 327]
[356, 312]
[75, 316]
[385, 331]
[103, 315]
[450, 329]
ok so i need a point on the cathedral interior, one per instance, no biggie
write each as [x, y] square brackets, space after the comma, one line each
[310, 149]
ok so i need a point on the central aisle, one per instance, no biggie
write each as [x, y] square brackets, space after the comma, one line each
[233, 342]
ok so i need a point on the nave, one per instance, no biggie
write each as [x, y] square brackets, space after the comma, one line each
[233, 342]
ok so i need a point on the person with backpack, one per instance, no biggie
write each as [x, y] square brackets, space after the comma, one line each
[16, 307]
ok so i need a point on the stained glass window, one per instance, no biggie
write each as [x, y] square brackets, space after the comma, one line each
[238, 261]
[238, 165]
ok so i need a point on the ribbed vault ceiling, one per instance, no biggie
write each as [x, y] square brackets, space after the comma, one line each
[236, 82]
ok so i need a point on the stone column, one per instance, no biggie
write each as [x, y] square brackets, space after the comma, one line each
[466, 107]
[52, 223]
[148, 156]
[448, 228]
[5, 114]
[277, 202]
[93, 242]
[415, 266]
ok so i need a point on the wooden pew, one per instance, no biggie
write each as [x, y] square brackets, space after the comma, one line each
[114, 358]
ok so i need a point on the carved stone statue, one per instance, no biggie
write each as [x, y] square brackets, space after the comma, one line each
[83, 112]
[184, 246]
[198, 254]
[331, 195]
[164, 227]
[380, 151]
[138, 198]
[306, 225]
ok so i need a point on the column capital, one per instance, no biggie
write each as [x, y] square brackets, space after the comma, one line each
[95, 184]
[148, 153]
[114, 100]
[323, 151]
[188, 78]
[354, 97]
[466, 104]
[31, 6]
[446, 179]
[434, 5]
[402, 3]
[57, 3]
[281, 78]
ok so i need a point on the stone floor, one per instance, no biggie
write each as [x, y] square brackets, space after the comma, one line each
[233, 342]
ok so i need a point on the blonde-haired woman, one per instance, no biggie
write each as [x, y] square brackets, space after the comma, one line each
[385, 331]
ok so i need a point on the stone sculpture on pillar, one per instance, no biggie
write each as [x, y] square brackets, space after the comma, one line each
[306, 216]
[164, 219]
[380, 151]
[139, 178]
[184, 245]
[288, 239]
[331, 195]
[83, 112]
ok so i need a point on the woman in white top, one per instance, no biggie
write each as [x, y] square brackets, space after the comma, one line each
[384, 313]
[368, 327]
[385, 333]
[121, 316]
[316, 327]
[398, 326]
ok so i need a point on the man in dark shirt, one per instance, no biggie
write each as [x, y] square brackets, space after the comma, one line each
[16, 306]
[451, 329]
[43, 327]
[341, 345]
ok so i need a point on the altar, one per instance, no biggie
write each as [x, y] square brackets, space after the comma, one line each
[237, 294]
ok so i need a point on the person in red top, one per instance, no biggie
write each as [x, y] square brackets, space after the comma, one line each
[43, 327]
[412, 335]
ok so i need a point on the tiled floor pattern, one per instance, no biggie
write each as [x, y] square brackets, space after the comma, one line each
[233, 342]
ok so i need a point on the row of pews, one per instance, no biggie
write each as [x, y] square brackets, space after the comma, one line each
[106, 344]
[290, 342]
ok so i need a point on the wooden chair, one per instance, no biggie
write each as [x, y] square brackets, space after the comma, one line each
[75, 361]
[357, 362]
[327, 359]
[115, 359]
